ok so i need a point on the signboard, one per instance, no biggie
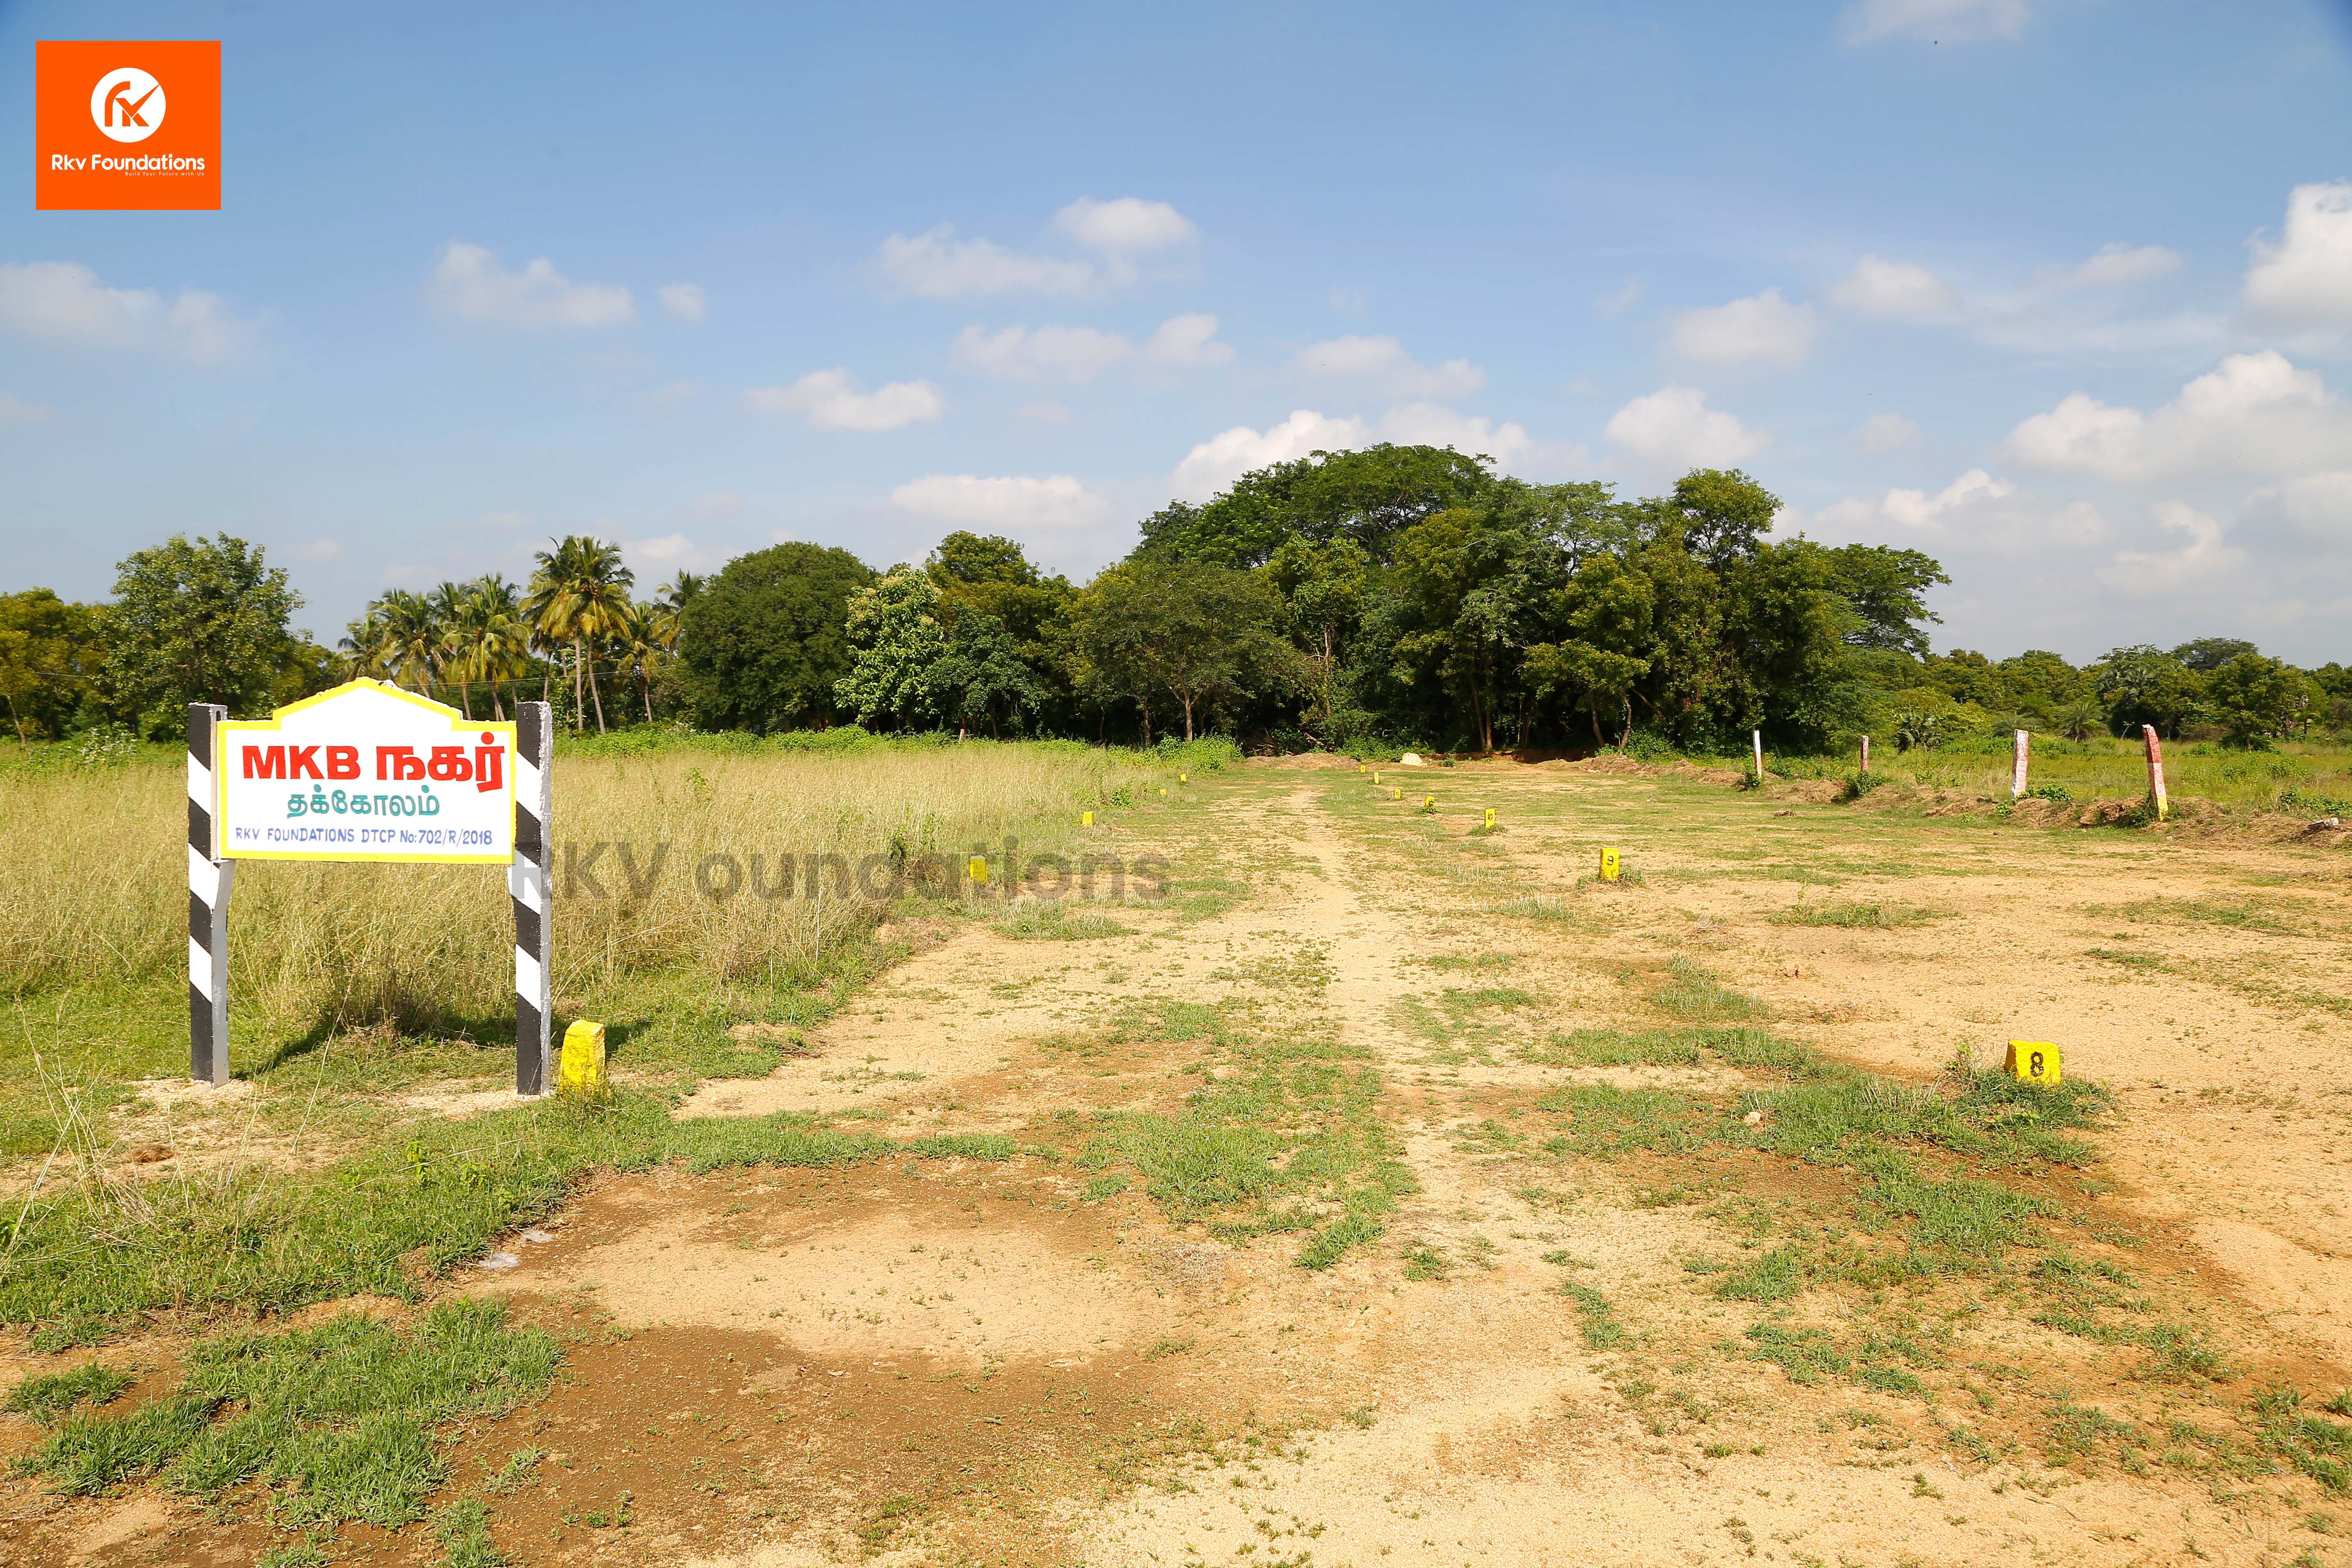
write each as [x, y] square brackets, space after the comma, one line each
[365, 771]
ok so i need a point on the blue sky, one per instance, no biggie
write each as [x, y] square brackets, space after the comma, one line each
[2058, 290]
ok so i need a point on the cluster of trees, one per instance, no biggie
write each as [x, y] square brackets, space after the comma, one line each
[575, 626]
[1406, 594]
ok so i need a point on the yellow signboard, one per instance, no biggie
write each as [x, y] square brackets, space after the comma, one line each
[2034, 1061]
[365, 771]
[1609, 865]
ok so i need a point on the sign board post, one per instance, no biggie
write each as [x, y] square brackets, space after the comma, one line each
[367, 773]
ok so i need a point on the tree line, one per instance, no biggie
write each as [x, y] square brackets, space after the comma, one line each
[1397, 596]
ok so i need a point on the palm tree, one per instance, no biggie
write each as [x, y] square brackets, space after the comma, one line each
[579, 594]
[365, 653]
[411, 637]
[643, 643]
[485, 640]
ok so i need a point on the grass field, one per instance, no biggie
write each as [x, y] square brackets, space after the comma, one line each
[1390, 1190]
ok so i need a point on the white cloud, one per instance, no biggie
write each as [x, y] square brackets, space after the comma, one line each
[2253, 414]
[16, 411]
[1762, 327]
[831, 400]
[1615, 305]
[1020, 353]
[668, 554]
[1126, 227]
[318, 550]
[1975, 509]
[2300, 516]
[1048, 409]
[1351, 302]
[1226, 456]
[1188, 343]
[683, 301]
[718, 503]
[1508, 443]
[2304, 279]
[2118, 264]
[63, 301]
[938, 266]
[468, 286]
[673, 392]
[1081, 353]
[2202, 561]
[1941, 21]
[1672, 429]
[1003, 504]
[1885, 432]
[1384, 363]
[1877, 287]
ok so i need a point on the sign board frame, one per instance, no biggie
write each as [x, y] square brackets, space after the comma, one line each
[524, 746]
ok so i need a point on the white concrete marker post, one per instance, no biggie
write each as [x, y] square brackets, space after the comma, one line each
[210, 877]
[1758, 736]
[2017, 772]
[1865, 755]
[2156, 772]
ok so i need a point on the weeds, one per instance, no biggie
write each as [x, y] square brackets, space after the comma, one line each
[46, 1398]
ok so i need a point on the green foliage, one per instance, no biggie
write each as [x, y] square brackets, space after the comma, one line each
[1873, 915]
[765, 640]
[50, 656]
[895, 637]
[46, 1397]
[1187, 636]
[194, 621]
[2253, 698]
[340, 1416]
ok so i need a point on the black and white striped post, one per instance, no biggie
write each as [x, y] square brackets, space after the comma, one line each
[527, 883]
[209, 879]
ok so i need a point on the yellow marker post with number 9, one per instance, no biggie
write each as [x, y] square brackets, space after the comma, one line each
[582, 1071]
[1609, 865]
[2033, 1061]
[1490, 816]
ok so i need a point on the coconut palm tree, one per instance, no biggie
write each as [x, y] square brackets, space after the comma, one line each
[411, 637]
[486, 639]
[363, 652]
[643, 644]
[579, 594]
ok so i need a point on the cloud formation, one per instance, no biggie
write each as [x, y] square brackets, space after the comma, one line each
[1672, 429]
[683, 301]
[1975, 511]
[1383, 363]
[1940, 21]
[64, 302]
[1901, 291]
[1081, 353]
[830, 400]
[1215, 464]
[2202, 561]
[1003, 504]
[936, 265]
[1762, 329]
[2303, 279]
[1885, 432]
[469, 285]
[2255, 413]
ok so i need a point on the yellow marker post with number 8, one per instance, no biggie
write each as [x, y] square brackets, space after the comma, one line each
[1490, 816]
[2033, 1061]
[1609, 865]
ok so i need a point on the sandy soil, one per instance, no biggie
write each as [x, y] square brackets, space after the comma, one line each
[945, 1361]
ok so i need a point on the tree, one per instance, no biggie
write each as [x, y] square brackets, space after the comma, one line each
[48, 654]
[763, 641]
[411, 634]
[2143, 685]
[579, 594]
[194, 621]
[894, 640]
[641, 646]
[1369, 496]
[971, 558]
[2255, 699]
[981, 677]
[991, 578]
[1610, 609]
[2206, 655]
[1469, 587]
[1323, 588]
[1886, 589]
[1193, 633]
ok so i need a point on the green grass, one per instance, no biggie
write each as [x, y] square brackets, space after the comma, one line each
[1775, 1276]
[1594, 1318]
[1694, 996]
[339, 1419]
[383, 1220]
[1807, 1355]
[463, 1529]
[1052, 923]
[1858, 915]
[46, 1398]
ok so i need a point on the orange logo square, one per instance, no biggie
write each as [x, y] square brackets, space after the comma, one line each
[126, 126]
